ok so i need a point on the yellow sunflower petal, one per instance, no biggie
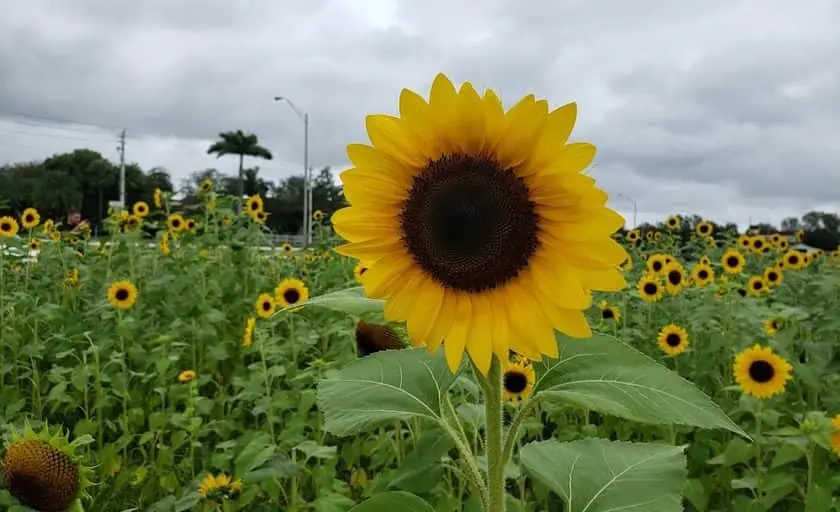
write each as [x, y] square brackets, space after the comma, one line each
[354, 223]
[388, 135]
[524, 122]
[480, 339]
[456, 339]
[372, 160]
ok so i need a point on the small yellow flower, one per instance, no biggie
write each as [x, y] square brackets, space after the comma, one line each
[266, 305]
[30, 218]
[8, 227]
[248, 335]
[157, 198]
[122, 294]
[140, 209]
[186, 376]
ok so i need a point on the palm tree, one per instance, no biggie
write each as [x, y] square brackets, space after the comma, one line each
[242, 144]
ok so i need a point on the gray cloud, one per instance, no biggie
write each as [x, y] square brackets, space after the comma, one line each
[725, 108]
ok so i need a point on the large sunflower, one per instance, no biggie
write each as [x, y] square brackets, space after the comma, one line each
[266, 305]
[122, 294]
[176, 223]
[732, 261]
[518, 380]
[650, 288]
[758, 244]
[703, 275]
[656, 263]
[291, 291]
[793, 260]
[704, 228]
[479, 225]
[675, 278]
[761, 373]
[8, 227]
[773, 276]
[30, 218]
[140, 209]
[756, 286]
[672, 339]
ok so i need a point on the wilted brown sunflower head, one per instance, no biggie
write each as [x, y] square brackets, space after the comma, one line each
[372, 338]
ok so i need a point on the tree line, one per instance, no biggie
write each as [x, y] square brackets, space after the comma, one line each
[84, 181]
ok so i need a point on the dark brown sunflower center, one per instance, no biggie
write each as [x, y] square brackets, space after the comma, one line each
[703, 274]
[121, 295]
[772, 276]
[175, 223]
[469, 224]
[650, 288]
[673, 340]
[675, 277]
[40, 477]
[515, 382]
[704, 228]
[656, 266]
[5, 226]
[793, 260]
[732, 261]
[762, 371]
[672, 221]
[254, 205]
[291, 296]
[757, 285]
[266, 305]
[758, 244]
[607, 314]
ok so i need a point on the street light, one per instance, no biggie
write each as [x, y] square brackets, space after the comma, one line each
[635, 207]
[307, 172]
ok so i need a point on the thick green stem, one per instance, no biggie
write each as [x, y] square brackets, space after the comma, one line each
[513, 431]
[493, 431]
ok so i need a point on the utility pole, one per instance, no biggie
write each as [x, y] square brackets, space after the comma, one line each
[307, 172]
[307, 182]
[121, 149]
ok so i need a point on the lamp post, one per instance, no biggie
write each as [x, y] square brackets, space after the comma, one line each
[635, 207]
[307, 172]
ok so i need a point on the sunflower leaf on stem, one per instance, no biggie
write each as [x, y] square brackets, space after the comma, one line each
[606, 375]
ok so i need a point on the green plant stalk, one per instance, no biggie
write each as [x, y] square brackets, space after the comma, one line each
[471, 470]
[513, 432]
[492, 385]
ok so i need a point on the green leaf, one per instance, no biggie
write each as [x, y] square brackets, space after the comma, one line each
[421, 470]
[597, 475]
[394, 500]
[350, 301]
[386, 386]
[603, 374]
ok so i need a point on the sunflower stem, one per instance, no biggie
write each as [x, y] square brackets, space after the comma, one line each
[513, 432]
[492, 385]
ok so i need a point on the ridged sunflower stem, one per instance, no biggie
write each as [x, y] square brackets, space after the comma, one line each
[759, 457]
[492, 385]
[513, 432]
[459, 437]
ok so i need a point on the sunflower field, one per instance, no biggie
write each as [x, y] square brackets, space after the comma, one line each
[184, 362]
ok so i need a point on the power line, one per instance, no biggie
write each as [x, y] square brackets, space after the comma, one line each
[47, 135]
[24, 117]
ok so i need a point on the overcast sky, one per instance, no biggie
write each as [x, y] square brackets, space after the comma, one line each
[726, 108]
